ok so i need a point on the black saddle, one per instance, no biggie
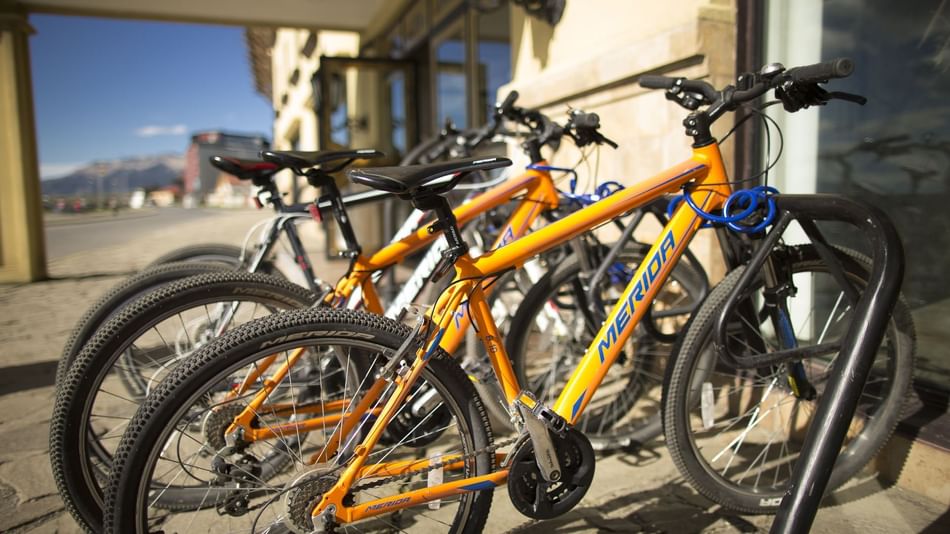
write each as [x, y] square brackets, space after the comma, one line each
[259, 172]
[303, 159]
[416, 181]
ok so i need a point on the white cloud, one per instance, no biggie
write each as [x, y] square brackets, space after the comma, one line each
[153, 130]
[55, 170]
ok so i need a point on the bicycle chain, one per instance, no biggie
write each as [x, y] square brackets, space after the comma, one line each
[383, 481]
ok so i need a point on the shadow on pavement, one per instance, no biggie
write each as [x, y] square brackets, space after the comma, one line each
[90, 276]
[672, 507]
[30, 376]
[940, 526]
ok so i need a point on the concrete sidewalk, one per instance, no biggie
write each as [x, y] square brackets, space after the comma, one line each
[635, 492]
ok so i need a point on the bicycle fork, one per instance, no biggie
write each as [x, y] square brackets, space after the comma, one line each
[778, 287]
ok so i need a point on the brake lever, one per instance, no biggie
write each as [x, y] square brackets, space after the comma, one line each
[684, 98]
[848, 97]
[603, 139]
[690, 101]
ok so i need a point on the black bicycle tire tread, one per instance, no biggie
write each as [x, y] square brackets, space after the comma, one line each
[201, 249]
[709, 309]
[217, 351]
[117, 295]
[107, 335]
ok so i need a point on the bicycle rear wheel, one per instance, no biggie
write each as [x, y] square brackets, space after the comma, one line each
[228, 255]
[128, 356]
[735, 434]
[163, 449]
[120, 295]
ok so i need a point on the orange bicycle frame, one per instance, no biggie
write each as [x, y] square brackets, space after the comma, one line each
[466, 297]
[539, 195]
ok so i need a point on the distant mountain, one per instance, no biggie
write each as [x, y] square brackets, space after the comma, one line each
[118, 176]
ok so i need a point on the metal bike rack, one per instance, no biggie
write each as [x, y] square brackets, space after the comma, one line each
[871, 314]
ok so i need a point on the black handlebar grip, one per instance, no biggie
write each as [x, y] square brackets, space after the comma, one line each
[508, 102]
[824, 71]
[586, 120]
[656, 82]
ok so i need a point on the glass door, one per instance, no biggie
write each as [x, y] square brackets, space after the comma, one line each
[365, 103]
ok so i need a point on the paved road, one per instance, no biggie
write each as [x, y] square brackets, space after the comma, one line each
[68, 234]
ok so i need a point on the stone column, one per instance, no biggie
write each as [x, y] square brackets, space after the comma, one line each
[22, 244]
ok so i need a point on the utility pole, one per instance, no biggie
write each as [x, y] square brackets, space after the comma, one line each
[100, 170]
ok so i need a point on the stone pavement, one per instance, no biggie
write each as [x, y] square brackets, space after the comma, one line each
[632, 492]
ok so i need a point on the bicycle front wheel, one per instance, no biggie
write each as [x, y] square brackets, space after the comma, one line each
[166, 448]
[735, 434]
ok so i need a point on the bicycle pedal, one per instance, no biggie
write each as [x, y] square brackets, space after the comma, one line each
[554, 422]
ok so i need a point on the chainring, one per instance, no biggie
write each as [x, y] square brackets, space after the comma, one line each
[539, 499]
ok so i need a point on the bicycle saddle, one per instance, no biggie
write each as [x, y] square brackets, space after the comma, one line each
[246, 169]
[302, 159]
[417, 181]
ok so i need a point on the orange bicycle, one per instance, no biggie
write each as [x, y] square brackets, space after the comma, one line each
[380, 428]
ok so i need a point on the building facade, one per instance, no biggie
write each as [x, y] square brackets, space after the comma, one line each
[422, 62]
[200, 177]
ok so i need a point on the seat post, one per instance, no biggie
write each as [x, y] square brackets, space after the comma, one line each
[330, 192]
[274, 197]
[445, 222]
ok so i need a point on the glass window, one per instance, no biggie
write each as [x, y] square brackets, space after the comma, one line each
[895, 151]
[339, 112]
[310, 45]
[397, 105]
[494, 57]
[450, 102]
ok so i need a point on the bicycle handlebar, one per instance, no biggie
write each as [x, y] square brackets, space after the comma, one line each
[841, 67]
[650, 81]
[507, 104]
[586, 120]
[582, 127]
[797, 88]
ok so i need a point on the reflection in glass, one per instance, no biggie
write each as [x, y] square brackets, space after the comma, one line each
[450, 81]
[397, 106]
[494, 57]
[339, 114]
[895, 151]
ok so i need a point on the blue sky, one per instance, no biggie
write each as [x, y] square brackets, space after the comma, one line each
[107, 89]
